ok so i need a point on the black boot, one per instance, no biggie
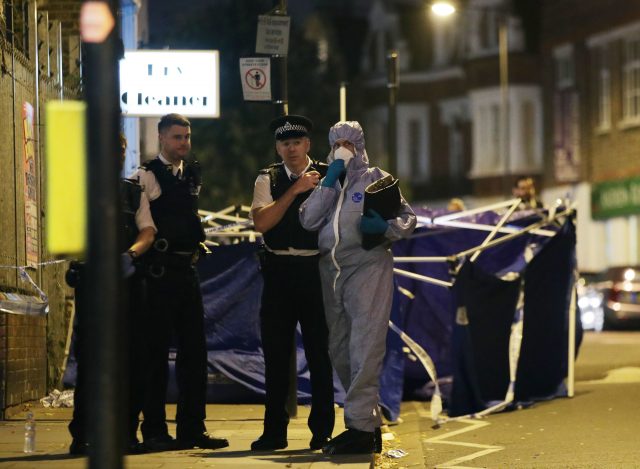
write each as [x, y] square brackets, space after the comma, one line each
[377, 434]
[351, 441]
[78, 448]
[319, 442]
[269, 443]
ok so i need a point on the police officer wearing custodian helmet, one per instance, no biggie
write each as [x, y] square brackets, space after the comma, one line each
[292, 291]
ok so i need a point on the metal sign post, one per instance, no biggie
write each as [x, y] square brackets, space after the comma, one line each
[392, 85]
[104, 383]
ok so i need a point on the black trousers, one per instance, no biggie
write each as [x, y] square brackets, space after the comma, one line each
[178, 316]
[292, 293]
[135, 358]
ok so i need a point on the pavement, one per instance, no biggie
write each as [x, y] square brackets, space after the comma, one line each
[598, 428]
[240, 423]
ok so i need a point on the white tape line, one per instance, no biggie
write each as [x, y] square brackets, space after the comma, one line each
[427, 363]
[444, 439]
[27, 278]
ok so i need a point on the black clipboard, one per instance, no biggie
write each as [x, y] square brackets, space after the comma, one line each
[383, 196]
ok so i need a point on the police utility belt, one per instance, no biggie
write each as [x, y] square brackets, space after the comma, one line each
[268, 257]
[160, 259]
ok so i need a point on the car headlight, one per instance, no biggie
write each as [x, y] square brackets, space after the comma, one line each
[595, 301]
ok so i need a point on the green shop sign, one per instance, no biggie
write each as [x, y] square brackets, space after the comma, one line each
[616, 198]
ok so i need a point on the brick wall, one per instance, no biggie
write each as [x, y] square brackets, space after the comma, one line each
[65, 11]
[608, 155]
[31, 348]
[3, 358]
[24, 358]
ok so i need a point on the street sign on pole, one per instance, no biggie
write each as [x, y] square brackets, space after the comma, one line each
[101, 276]
[255, 74]
[273, 34]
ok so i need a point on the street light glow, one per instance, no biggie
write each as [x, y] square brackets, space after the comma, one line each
[443, 8]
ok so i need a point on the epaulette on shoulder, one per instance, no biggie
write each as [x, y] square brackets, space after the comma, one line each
[271, 167]
[135, 181]
[149, 164]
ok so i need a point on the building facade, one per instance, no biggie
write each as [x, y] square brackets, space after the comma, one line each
[469, 112]
[40, 62]
[505, 88]
[591, 81]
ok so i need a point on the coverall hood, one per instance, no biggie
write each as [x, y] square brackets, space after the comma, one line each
[352, 131]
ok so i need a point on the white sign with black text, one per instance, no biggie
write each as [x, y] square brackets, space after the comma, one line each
[255, 74]
[155, 83]
[273, 35]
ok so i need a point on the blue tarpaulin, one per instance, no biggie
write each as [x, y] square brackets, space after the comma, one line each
[471, 356]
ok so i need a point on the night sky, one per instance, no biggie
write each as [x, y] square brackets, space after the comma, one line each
[161, 12]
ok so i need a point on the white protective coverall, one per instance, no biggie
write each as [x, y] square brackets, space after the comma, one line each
[357, 284]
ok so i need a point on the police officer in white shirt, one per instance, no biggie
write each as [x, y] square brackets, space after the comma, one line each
[172, 183]
[292, 291]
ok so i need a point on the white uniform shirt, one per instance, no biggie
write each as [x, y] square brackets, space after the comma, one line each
[143, 214]
[262, 197]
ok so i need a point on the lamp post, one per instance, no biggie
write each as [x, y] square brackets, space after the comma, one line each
[280, 69]
[392, 85]
[282, 109]
[445, 8]
[101, 274]
[503, 53]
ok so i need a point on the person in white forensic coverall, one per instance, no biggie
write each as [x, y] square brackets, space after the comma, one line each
[357, 284]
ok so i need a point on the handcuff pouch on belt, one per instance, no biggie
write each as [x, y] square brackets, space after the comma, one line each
[160, 258]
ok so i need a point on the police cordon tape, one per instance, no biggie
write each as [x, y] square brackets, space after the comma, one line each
[218, 229]
[25, 277]
[15, 303]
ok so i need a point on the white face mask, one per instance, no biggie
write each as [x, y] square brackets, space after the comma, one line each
[341, 153]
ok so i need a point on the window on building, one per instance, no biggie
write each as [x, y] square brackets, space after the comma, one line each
[482, 138]
[631, 79]
[564, 68]
[15, 15]
[528, 129]
[497, 149]
[414, 146]
[491, 27]
[603, 88]
[323, 51]
[446, 37]
[456, 167]
[494, 142]
[489, 134]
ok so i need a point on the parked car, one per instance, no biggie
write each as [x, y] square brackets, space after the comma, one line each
[621, 293]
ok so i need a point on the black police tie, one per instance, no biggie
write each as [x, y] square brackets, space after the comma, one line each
[293, 177]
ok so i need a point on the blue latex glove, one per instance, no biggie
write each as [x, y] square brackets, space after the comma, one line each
[336, 168]
[373, 223]
[127, 265]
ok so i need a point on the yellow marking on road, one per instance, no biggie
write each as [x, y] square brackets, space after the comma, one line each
[444, 439]
[628, 374]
